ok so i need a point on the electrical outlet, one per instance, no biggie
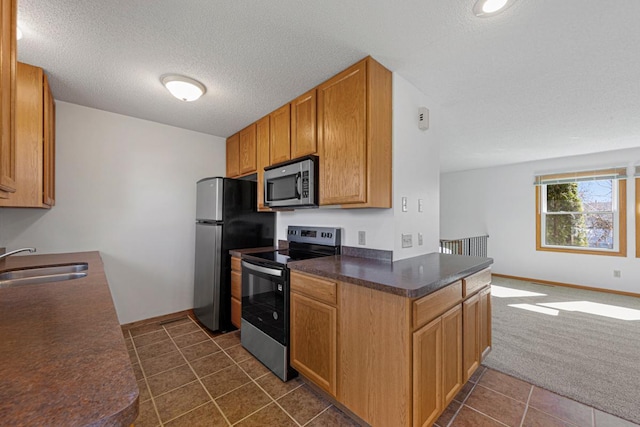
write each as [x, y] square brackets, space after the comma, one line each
[616, 273]
[362, 238]
[404, 204]
[419, 239]
[419, 208]
[407, 241]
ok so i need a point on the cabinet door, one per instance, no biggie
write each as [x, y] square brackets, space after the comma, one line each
[263, 143]
[313, 341]
[303, 125]
[280, 134]
[451, 354]
[236, 312]
[233, 155]
[427, 373]
[248, 149]
[48, 193]
[342, 137]
[485, 322]
[8, 17]
[471, 334]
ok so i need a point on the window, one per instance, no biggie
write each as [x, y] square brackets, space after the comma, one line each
[582, 212]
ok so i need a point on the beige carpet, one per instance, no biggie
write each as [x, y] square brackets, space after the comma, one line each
[584, 345]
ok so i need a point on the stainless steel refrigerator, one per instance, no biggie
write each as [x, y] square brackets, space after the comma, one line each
[226, 218]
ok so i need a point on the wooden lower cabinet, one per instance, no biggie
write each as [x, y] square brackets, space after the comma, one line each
[485, 322]
[427, 373]
[379, 355]
[476, 330]
[471, 333]
[236, 292]
[313, 341]
[437, 366]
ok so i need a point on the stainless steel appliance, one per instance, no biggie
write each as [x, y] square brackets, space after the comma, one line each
[226, 218]
[292, 184]
[265, 294]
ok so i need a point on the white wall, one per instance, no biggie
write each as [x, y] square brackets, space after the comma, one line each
[124, 187]
[415, 175]
[500, 201]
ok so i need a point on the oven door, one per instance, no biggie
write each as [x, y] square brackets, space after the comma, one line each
[265, 299]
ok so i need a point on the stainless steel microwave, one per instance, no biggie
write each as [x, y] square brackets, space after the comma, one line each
[292, 184]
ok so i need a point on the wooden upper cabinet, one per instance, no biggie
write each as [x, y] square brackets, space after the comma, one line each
[248, 149]
[280, 123]
[354, 137]
[233, 155]
[35, 141]
[263, 148]
[342, 115]
[49, 164]
[303, 125]
[8, 17]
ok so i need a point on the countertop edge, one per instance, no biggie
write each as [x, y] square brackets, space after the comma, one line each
[315, 268]
[121, 411]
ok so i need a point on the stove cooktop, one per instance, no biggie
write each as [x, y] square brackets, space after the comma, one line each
[285, 255]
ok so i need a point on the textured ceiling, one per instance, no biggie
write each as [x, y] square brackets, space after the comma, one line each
[544, 79]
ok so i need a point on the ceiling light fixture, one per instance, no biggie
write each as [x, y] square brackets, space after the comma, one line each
[18, 33]
[183, 88]
[486, 8]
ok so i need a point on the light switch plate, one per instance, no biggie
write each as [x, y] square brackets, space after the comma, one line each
[404, 204]
[407, 241]
[419, 239]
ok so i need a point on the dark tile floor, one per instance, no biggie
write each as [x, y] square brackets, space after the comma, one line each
[188, 376]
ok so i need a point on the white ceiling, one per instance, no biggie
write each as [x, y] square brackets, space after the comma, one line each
[544, 79]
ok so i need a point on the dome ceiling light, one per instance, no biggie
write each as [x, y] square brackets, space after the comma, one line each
[487, 8]
[183, 88]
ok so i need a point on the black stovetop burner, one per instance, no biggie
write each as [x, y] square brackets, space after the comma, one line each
[304, 243]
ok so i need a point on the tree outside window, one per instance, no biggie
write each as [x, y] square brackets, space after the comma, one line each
[583, 213]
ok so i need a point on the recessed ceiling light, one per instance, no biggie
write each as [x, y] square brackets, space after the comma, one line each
[183, 88]
[486, 8]
[18, 33]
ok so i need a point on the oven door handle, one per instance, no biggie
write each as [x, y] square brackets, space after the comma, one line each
[298, 185]
[260, 269]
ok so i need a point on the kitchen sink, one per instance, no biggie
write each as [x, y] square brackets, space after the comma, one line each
[45, 274]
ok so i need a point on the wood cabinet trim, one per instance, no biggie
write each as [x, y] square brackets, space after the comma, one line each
[280, 128]
[433, 305]
[263, 142]
[236, 263]
[475, 282]
[233, 155]
[304, 135]
[314, 287]
[247, 150]
[308, 356]
[8, 72]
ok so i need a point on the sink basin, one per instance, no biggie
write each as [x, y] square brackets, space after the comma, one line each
[46, 274]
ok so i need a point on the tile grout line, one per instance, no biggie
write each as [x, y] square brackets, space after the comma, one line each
[263, 390]
[465, 399]
[526, 408]
[198, 376]
[486, 415]
[146, 383]
[321, 412]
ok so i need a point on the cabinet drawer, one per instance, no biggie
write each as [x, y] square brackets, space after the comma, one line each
[235, 264]
[315, 287]
[475, 282]
[236, 285]
[431, 306]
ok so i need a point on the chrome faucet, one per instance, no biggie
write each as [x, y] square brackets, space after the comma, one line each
[8, 254]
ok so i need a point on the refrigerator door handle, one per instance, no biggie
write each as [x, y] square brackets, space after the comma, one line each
[259, 269]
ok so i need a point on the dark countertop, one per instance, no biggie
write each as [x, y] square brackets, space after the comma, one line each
[239, 252]
[411, 277]
[63, 359]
